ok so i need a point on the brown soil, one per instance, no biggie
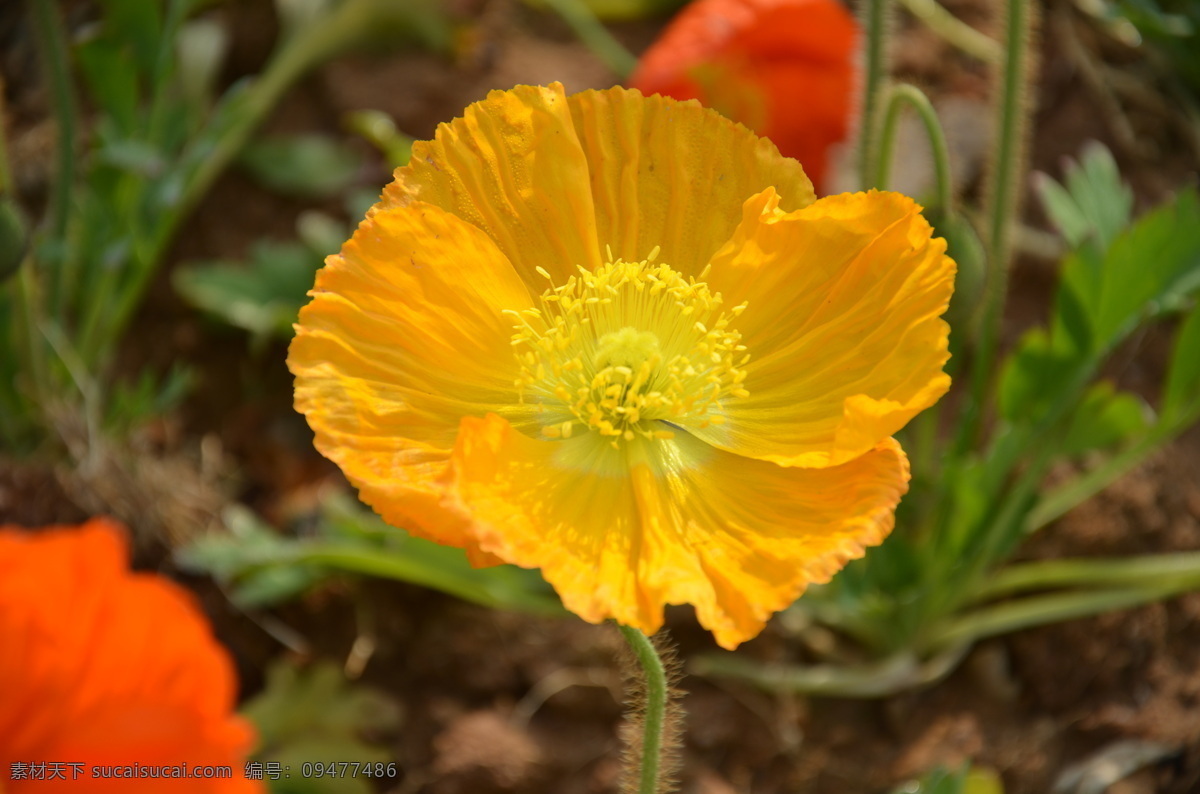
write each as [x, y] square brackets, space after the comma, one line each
[469, 679]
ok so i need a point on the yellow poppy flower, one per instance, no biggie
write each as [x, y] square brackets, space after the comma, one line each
[616, 338]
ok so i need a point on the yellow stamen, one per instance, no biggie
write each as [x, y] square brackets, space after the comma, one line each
[626, 347]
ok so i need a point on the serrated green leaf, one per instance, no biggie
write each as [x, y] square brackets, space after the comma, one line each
[1182, 391]
[1105, 419]
[1096, 185]
[311, 166]
[312, 715]
[1094, 205]
[1151, 269]
[316, 702]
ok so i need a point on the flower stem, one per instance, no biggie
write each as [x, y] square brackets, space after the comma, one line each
[1006, 178]
[654, 719]
[896, 97]
[874, 13]
[955, 31]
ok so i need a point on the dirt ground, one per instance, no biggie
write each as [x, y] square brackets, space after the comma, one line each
[470, 680]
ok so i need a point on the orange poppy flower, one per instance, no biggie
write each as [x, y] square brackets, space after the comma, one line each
[104, 669]
[615, 338]
[787, 69]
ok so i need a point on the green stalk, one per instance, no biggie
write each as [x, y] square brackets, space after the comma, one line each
[875, 22]
[955, 31]
[895, 98]
[1152, 570]
[654, 719]
[898, 673]
[164, 69]
[52, 44]
[1041, 610]
[594, 35]
[1058, 502]
[28, 305]
[1006, 177]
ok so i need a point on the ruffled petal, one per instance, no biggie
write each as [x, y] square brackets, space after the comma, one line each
[674, 175]
[405, 335]
[105, 666]
[843, 326]
[512, 166]
[621, 533]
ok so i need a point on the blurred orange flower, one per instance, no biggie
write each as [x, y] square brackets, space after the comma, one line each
[784, 68]
[101, 667]
[614, 337]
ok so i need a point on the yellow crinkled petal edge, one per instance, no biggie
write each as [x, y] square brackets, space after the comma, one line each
[739, 539]
[843, 325]
[403, 337]
[554, 179]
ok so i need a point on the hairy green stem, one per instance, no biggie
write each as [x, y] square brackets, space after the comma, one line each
[895, 98]
[875, 21]
[654, 720]
[1006, 177]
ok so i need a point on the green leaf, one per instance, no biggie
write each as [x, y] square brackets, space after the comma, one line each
[1094, 205]
[309, 166]
[262, 296]
[1182, 392]
[263, 567]
[138, 23]
[112, 81]
[247, 558]
[1149, 270]
[967, 780]
[314, 715]
[1031, 376]
[200, 51]
[1105, 419]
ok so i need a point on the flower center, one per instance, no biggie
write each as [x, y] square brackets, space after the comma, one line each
[627, 351]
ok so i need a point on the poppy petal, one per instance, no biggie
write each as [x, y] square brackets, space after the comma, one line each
[843, 325]
[511, 166]
[404, 335]
[649, 155]
[620, 534]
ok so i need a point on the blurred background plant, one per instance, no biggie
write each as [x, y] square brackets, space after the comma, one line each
[132, 159]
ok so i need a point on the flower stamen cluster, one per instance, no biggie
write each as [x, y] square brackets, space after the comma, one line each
[627, 347]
